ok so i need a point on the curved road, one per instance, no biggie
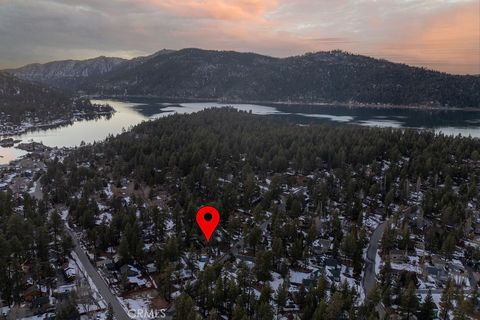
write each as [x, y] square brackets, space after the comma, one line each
[370, 278]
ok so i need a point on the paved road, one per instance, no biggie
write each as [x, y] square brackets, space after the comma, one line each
[104, 290]
[370, 278]
[102, 287]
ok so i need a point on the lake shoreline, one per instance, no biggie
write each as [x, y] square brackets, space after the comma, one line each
[352, 105]
[130, 112]
[19, 129]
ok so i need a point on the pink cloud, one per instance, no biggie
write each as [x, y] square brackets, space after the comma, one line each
[217, 9]
[448, 40]
[440, 34]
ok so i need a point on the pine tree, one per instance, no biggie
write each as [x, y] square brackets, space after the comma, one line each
[386, 273]
[335, 306]
[409, 300]
[165, 282]
[68, 310]
[264, 311]
[254, 238]
[263, 263]
[388, 239]
[213, 315]
[463, 308]
[387, 294]
[266, 293]
[277, 249]
[239, 312]
[446, 301]
[320, 311]
[448, 246]
[185, 308]
[427, 311]
[296, 251]
[369, 304]
[281, 296]
[123, 249]
[55, 225]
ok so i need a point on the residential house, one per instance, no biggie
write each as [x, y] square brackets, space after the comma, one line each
[322, 246]
[41, 304]
[332, 263]
[312, 280]
[438, 261]
[151, 268]
[332, 269]
[102, 262]
[333, 274]
[437, 275]
[32, 293]
[129, 270]
[397, 256]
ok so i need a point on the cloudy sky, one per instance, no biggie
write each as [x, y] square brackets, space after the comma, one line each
[438, 34]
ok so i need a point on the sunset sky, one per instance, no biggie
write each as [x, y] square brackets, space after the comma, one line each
[438, 34]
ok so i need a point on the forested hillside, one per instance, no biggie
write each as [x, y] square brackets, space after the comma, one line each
[333, 76]
[323, 76]
[33, 104]
[32, 236]
[229, 140]
[279, 187]
[227, 143]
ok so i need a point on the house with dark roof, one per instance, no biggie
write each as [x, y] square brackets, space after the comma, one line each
[332, 263]
[41, 303]
[129, 270]
[397, 256]
[321, 246]
[31, 293]
[333, 274]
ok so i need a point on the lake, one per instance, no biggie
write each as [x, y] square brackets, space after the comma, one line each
[134, 111]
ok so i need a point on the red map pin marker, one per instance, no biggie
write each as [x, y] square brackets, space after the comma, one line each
[208, 219]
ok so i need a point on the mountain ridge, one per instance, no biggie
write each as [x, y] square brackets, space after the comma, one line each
[320, 77]
[64, 73]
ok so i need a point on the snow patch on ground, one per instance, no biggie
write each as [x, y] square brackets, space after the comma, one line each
[378, 262]
[139, 302]
[406, 267]
[276, 282]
